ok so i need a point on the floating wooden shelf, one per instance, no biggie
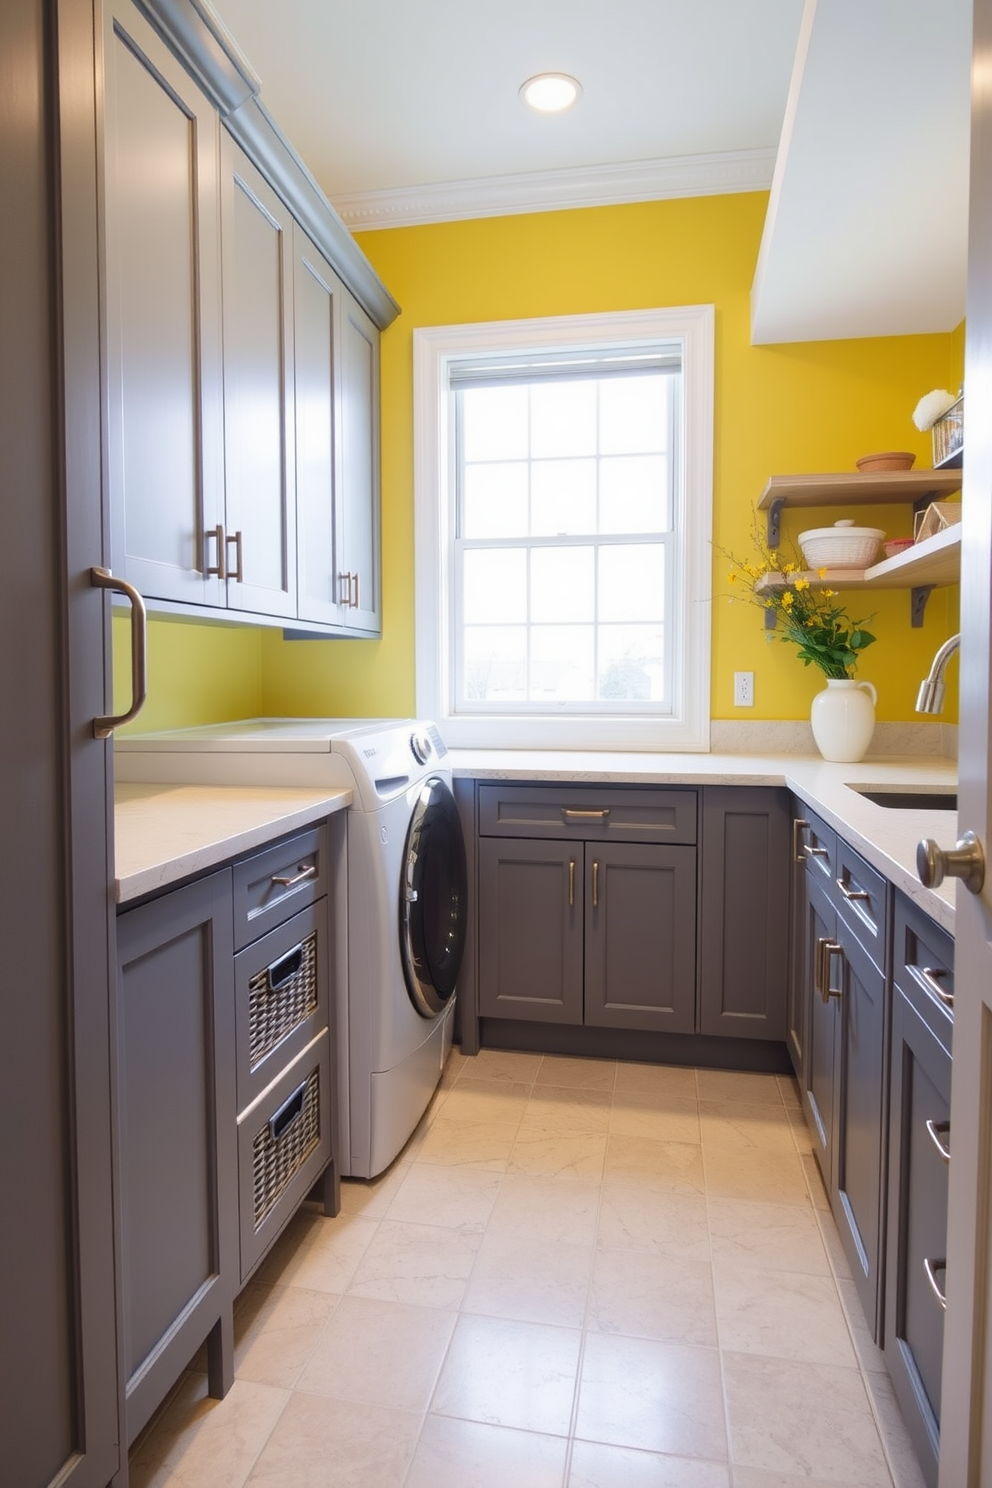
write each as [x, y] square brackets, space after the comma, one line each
[883, 487]
[936, 560]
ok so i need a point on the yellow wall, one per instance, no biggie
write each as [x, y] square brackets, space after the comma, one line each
[196, 673]
[779, 409]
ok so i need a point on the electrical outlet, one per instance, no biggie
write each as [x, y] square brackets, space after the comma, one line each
[743, 689]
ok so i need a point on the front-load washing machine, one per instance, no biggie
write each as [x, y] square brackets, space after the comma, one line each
[406, 896]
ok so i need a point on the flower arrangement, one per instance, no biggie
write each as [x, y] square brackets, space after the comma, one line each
[806, 615]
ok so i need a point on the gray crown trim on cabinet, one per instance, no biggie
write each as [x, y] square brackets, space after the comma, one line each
[198, 39]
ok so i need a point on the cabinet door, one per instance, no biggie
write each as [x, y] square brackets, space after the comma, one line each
[744, 946]
[165, 414]
[318, 297]
[796, 1006]
[640, 937]
[530, 930]
[178, 1149]
[358, 469]
[260, 543]
[858, 1115]
[919, 1141]
[820, 1054]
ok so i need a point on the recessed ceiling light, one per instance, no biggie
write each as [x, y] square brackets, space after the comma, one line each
[550, 92]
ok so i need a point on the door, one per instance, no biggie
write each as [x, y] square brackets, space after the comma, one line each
[966, 1424]
[58, 1341]
[434, 899]
[358, 469]
[530, 929]
[820, 1055]
[260, 534]
[640, 936]
[165, 454]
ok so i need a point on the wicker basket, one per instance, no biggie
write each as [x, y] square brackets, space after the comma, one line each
[840, 546]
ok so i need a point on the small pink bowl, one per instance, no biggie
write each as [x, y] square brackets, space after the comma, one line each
[896, 545]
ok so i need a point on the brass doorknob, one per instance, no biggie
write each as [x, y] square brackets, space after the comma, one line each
[966, 860]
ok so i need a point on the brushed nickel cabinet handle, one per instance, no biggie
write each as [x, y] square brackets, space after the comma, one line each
[571, 883]
[355, 603]
[238, 573]
[575, 813]
[938, 1129]
[830, 948]
[931, 1268]
[287, 883]
[595, 883]
[929, 977]
[798, 825]
[102, 578]
[814, 852]
[851, 893]
[344, 580]
[217, 533]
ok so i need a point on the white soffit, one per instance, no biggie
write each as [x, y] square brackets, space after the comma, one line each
[866, 230]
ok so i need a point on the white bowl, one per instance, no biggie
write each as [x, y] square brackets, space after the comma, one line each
[841, 546]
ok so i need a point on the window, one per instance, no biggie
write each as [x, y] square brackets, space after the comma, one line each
[563, 501]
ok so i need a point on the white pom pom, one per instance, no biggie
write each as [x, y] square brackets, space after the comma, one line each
[930, 408]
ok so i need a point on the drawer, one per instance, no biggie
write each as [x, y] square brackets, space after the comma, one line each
[587, 813]
[284, 1144]
[862, 897]
[281, 997]
[815, 843]
[923, 967]
[274, 884]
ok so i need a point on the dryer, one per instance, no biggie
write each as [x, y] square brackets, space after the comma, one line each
[406, 896]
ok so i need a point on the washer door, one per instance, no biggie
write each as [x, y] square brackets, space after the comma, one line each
[433, 895]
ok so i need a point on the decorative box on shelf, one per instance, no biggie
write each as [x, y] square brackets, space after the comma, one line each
[948, 437]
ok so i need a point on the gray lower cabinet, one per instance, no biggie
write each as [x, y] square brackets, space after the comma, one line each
[224, 1061]
[178, 1155]
[844, 964]
[919, 1158]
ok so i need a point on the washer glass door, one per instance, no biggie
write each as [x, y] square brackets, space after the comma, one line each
[433, 895]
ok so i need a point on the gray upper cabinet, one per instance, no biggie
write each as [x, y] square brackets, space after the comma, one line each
[260, 532]
[359, 506]
[163, 318]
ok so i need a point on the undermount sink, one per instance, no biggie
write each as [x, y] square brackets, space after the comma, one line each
[910, 800]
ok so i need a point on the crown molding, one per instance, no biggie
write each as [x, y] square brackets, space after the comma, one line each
[559, 190]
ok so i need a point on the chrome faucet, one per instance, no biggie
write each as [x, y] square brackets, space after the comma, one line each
[930, 698]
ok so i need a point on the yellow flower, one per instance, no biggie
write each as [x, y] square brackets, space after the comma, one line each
[732, 577]
[828, 593]
[801, 584]
[822, 573]
[787, 600]
[789, 567]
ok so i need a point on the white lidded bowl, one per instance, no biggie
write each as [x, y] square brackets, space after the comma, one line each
[841, 546]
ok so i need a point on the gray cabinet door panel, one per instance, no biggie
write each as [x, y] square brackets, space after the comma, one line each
[745, 893]
[530, 930]
[257, 235]
[358, 470]
[178, 1155]
[163, 316]
[860, 1114]
[588, 813]
[820, 1061]
[318, 303]
[640, 937]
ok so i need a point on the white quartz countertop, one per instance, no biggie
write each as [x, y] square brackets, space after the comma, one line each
[164, 833]
[887, 837]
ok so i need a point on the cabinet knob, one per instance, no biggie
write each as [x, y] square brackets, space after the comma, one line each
[966, 861]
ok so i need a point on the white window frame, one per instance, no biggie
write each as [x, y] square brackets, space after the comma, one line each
[687, 726]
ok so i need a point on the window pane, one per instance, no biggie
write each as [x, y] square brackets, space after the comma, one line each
[563, 419]
[633, 415]
[631, 663]
[495, 587]
[633, 494]
[561, 665]
[495, 500]
[562, 584]
[494, 423]
[495, 663]
[563, 497]
[632, 582]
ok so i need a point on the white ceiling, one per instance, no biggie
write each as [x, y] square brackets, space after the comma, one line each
[407, 111]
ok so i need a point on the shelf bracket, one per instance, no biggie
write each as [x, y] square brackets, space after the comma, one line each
[917, 604]
[774, 525]
[771, 618]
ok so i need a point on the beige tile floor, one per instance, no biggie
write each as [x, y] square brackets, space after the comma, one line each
[578, 1274]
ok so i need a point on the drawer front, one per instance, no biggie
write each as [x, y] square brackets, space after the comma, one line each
[923, 968]
[816, 844]
[281, 997]
[862, 897]
[274, 884]
[587, 813]
[284, 1143]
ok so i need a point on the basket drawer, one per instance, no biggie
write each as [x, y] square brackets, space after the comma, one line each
[274, 884]
[281, 997]
[284, 1143]
[588, 813]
